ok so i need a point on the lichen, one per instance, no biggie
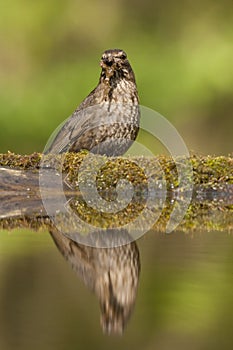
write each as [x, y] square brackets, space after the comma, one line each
[205, 212]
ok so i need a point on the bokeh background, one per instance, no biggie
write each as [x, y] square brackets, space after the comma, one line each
[182, 54]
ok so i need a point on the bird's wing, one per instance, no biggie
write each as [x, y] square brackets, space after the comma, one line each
[80, 122]
[62, 137]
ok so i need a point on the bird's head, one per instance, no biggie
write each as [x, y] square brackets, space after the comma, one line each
[114, 63]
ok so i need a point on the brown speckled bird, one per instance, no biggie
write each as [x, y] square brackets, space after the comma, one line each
[111, 273]
[107, 121]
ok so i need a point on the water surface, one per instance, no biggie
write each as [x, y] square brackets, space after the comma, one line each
[184, 298]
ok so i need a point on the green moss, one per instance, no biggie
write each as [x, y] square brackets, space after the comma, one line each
[211, 171]
[207, 170]
[213, 174]
[17, 161]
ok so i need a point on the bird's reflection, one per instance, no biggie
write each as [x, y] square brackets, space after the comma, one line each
[111, 273]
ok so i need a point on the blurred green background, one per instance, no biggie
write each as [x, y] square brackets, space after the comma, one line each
[181, 53]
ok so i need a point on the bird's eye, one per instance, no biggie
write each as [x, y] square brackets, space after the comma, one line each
[123, 56]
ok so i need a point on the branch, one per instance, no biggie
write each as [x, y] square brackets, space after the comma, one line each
[212, 197]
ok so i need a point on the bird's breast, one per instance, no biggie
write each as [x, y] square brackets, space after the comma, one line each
[125, 92]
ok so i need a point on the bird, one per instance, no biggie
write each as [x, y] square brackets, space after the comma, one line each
[107, 121]
[111, 273]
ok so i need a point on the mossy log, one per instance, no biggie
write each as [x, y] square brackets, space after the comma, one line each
[211, 207]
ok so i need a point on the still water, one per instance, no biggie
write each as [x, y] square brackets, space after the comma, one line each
[184, 296]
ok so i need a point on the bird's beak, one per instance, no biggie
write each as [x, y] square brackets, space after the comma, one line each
[106, 63]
